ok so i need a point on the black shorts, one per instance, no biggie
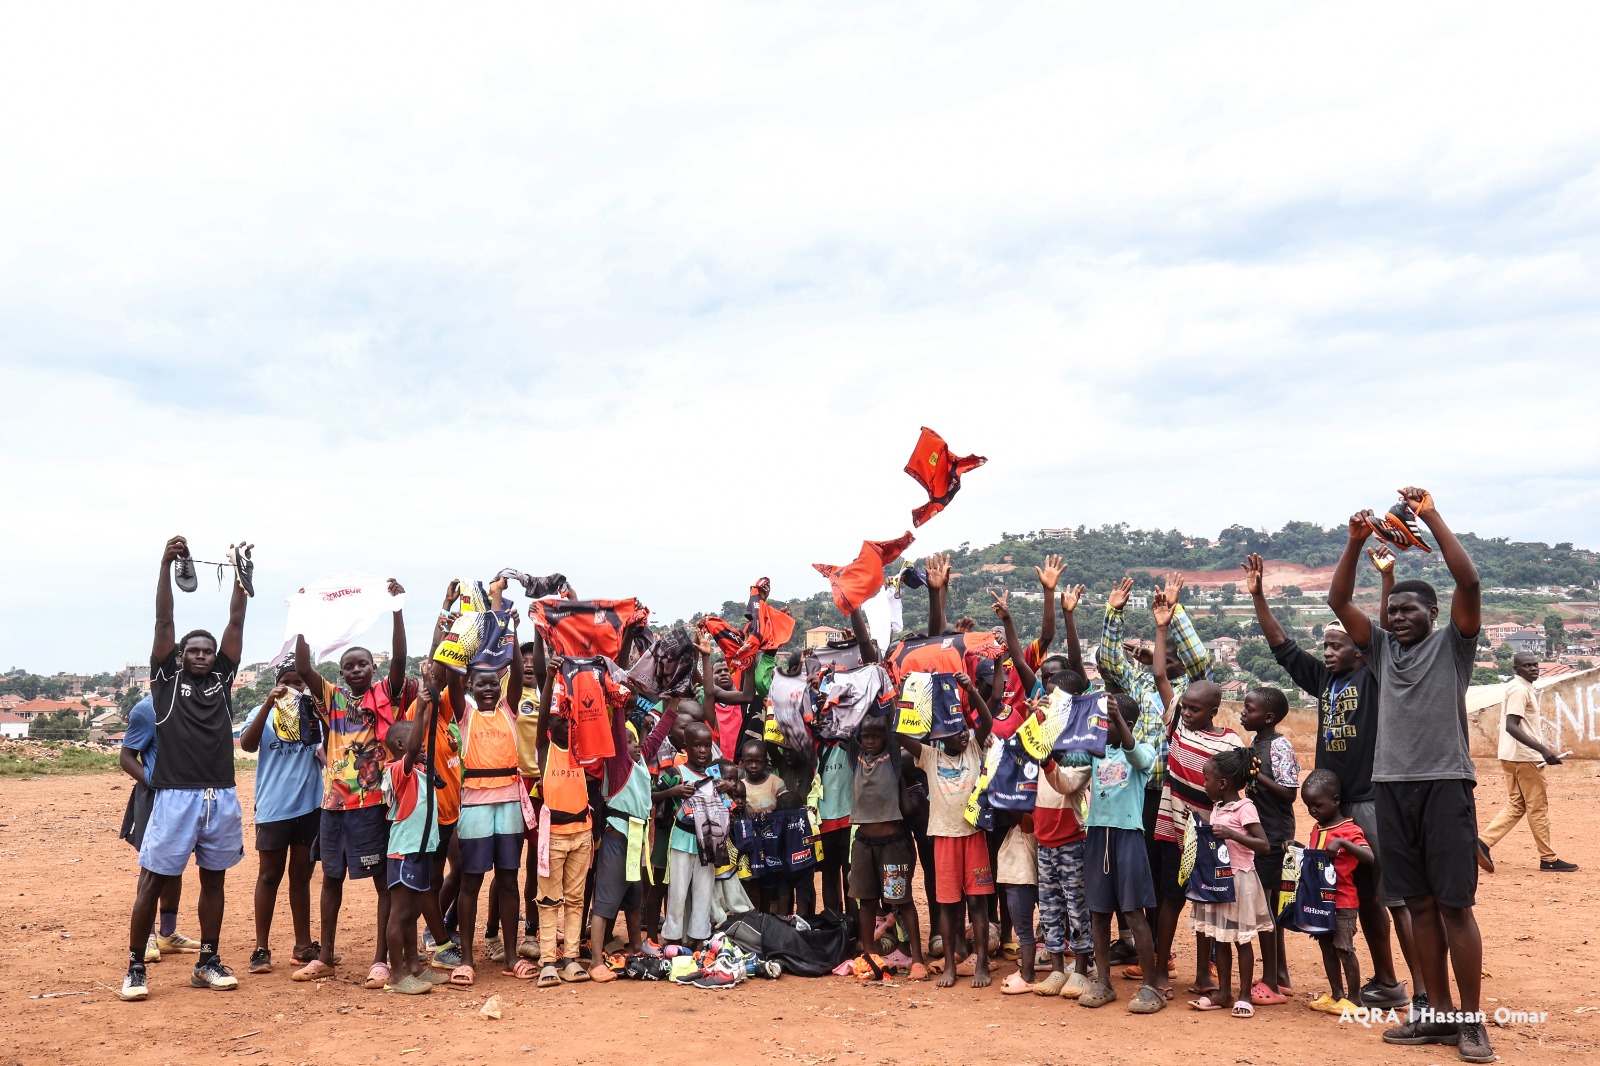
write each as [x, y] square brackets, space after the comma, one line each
[353, 843]
[880, 867]
[1428, 840]
[1167, 857]
[137, 814]
[614, 894]
[1269, 871]
[1116, 872]
[835, 847]
[447, 833]
[298, 832]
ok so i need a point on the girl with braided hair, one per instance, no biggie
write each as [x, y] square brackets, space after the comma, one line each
[1237, 827]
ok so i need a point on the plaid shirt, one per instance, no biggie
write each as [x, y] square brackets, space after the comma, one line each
[1137, 681]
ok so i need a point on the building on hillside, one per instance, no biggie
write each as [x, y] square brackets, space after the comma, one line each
[1138, 603]
[1058, 534]
[1528, 640]
[1234, 690]
[1547, 670]
[13, 727]
[30, 709]
[818, 636]
[1224, 649]
[1497, 633]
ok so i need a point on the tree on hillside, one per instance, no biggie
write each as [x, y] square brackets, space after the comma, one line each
[62, 725]
[1482, 675]
[1555, 632]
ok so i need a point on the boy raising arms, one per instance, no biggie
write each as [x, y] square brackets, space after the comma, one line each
[195, 810]
[1423, 775]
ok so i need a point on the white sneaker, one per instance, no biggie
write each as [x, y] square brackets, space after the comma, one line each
[152, 950]
[214, 975]
[133, 987]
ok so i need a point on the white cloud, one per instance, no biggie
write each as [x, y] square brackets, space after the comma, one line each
[658, 297]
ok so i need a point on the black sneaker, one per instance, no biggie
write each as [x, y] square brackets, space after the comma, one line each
[210, 973]
[1123, 952]
[1376, 994]
[1474, 1046]
[1556, 866]
[184, 575]
[1419, 1003]
[1423, 1033]
[261, 961]
[133, 987]
[244, 568]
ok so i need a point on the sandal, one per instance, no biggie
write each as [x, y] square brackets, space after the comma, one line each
[1015, 986]
[522, 971]
[1243, 1009]
[315, 970]
[574, 973]
[434, 977]
[463, 976]
[379, 976]
[1204, 1003]
[967, 967]
[1098, 996]
[1263, 996]
[548, 977]
[1052, 985]
[410, 985]
[1146, 1001]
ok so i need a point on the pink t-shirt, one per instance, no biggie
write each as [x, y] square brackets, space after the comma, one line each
[1237, 815]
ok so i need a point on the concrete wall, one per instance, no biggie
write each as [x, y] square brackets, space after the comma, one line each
[1570, 707]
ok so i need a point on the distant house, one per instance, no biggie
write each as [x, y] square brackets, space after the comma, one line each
[1234, 690]
[1139, 603]
[1498, 633]
[1224, 649]
[13, 727]
[1529, 640]
[31, 709]
[818, 636]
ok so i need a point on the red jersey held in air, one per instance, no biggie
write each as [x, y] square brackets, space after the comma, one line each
[939, 472]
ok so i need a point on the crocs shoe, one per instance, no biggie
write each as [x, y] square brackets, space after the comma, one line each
[133, 986]
[1077, 985]
[213, 975]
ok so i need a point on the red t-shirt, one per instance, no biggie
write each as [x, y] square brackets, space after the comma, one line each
[1344, 863]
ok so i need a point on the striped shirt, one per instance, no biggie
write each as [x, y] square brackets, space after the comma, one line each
[1137, 681]
[1184, 790]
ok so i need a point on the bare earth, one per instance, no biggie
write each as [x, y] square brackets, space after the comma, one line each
[66, 883]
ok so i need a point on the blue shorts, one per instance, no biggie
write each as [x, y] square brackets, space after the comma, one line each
[1116, 871]
[491, 837]
[410, 871]
[203, 822]
[353, 843]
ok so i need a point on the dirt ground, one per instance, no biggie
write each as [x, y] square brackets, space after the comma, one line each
[66, 883]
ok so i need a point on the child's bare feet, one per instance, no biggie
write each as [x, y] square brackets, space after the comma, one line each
[980, 976]
[947, 979]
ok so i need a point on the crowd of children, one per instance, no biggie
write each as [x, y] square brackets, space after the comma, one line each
[648, 790]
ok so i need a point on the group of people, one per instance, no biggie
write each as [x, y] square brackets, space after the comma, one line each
[678, 781]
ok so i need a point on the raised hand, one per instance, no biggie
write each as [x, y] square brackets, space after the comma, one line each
[1049, 573]
[1070, 597]
[395, 588]
[1174, 587]
[938, 571]
[451, 591]
[702, 642]
[1001, 610]
[1360, 524]
[1119, 594]
[1382, 558]
[1161, 609]
[1419, 500]
[177, 548]
[1252, 574]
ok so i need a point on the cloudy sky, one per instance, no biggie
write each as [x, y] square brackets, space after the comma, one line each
[658, 295]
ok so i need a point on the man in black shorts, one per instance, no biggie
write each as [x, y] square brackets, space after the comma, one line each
[1423, 776]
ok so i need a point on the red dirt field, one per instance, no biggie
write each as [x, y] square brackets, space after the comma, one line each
[1275, 577]
[66, 883]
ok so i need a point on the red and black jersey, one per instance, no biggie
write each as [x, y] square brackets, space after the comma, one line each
[857, 582]
[589, 695]
[588, 627]
[941, 655]
[935, 469]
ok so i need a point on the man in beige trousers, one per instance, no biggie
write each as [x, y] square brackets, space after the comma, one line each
[1523, 756]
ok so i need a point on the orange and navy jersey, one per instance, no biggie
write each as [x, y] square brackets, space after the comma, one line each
[588, 627]
[856, 582]
[933, 467]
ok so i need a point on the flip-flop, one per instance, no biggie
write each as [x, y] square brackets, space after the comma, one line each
[548, 976]
[1015, 986]
[463, 976]
[1204, 1003]
[315, 970]
[1263, 996]
[378, 977]
[522, 971]
[1243, 1009]
[574, 973]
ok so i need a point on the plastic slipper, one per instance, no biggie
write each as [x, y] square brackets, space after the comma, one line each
[1204, 1003]
[968, 966]
[936, 964]
[1262, 996]
[379, 976]
[918, 972]
[1077, 985]
[434, 977]
[1243, 1009]
[410, 985]
[1015, 986]
[522, 971]
[1051, 985]
[315, 970]
[1145, 1001]
[601, 974]
[463, 976]
[548, 977]
[574, 973]
[1097, 996]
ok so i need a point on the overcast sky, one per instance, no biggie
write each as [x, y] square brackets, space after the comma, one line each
[658, 295]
